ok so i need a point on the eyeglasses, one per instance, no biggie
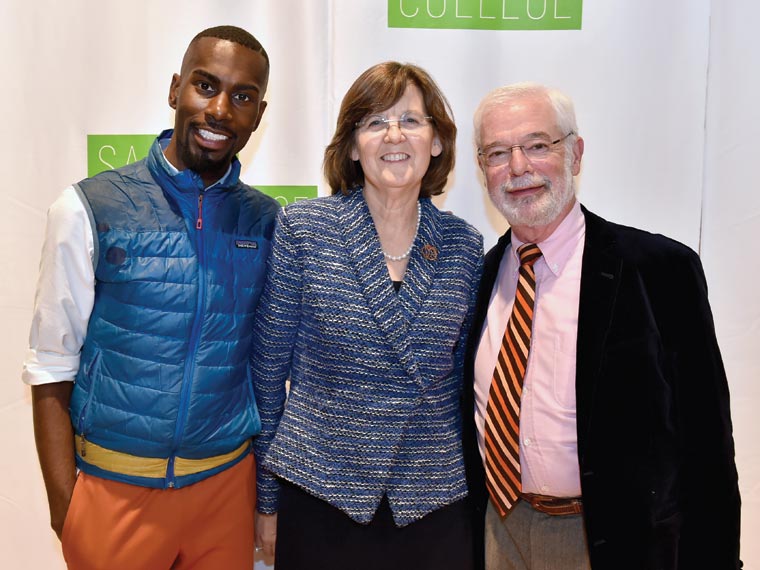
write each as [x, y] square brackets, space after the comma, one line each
[534, 150]
[408, 122]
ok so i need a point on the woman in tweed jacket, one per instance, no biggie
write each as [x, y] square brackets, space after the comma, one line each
[366, 309]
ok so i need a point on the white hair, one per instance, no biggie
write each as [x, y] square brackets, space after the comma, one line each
[564, 109]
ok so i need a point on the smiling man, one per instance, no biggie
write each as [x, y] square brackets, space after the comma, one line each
[140, 339]
[597, 426]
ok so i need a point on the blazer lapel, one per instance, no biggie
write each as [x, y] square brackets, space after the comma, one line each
[423, 262]
[366, 256]
[485, 289]
[600, 279]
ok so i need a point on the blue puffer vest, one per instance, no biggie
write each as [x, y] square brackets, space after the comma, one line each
[164, 370]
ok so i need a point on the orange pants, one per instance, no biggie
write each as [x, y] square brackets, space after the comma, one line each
[205, 526]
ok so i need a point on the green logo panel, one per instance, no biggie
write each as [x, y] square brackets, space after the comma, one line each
[105, 152]
[288, 194]
[486, 14]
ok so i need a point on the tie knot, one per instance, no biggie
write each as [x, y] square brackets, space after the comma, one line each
[529, 253]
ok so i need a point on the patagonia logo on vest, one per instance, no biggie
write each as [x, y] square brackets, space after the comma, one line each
[246, 244]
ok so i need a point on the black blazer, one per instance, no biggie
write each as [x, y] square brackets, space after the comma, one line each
[655, 444]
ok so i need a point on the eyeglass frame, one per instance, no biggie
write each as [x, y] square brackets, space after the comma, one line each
[482, 151]
[358, 125]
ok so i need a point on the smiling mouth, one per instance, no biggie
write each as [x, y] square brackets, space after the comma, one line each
[395, 157]
[212, 137]
[525, 189]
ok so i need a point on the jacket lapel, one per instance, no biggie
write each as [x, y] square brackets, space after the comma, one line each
[600, 279]
[485, 290]
[366, 256]
[423, 261]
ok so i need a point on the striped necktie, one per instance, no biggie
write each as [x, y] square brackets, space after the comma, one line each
[502, 430]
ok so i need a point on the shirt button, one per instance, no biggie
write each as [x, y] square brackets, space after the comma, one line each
[528, 441]
[544, 488]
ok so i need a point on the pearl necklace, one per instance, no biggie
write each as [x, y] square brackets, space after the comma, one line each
[408, 252]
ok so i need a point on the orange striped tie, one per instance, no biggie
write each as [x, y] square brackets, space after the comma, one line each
[502, 431]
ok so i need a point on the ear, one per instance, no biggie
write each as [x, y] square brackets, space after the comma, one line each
[174, 90]
[262, 108]
[437, 147]
[354, 152]
[577, 155]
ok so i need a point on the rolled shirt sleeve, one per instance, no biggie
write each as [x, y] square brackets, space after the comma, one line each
[65, 293]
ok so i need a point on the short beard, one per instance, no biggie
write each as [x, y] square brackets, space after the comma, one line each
[539, 209]
[199, 161]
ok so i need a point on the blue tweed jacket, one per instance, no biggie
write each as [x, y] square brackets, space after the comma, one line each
[375, 375]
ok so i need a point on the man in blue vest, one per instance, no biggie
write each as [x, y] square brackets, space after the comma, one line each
[140, 339]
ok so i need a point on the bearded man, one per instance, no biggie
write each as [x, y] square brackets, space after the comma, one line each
[142, 334]
[597, 425]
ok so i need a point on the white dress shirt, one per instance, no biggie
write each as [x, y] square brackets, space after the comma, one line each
[65, 290]
[65, 294]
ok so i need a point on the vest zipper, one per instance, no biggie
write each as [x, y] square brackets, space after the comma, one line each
[199, 221]
[170, 469]
[192, 349]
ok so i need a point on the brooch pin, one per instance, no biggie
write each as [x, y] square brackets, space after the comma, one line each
[429, 252]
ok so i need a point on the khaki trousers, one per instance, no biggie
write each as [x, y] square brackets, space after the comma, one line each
[530, 540]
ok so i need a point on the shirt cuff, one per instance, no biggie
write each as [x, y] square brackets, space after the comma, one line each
[47, 368]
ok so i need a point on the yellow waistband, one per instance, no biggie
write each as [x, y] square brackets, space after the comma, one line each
[135, 466]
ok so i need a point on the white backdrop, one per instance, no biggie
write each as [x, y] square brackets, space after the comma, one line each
[663, 93]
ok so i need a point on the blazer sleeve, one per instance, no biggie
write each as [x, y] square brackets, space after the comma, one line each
[275, 327]
[710, 503]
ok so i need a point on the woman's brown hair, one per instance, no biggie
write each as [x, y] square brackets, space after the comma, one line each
[374, 91]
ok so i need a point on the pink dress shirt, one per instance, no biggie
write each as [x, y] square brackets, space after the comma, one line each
[548, 438]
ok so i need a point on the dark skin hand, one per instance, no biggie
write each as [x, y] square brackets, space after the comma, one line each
[54, 437]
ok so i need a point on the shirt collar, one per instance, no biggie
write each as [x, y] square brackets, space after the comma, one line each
[558, 247]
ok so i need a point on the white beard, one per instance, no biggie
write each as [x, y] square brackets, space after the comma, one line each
[539, 209]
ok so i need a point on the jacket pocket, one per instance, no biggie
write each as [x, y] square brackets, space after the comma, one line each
[91, 372]
[253, 408]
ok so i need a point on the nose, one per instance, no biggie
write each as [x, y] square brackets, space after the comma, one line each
[518, 162]
[219, 106]
[393, 132]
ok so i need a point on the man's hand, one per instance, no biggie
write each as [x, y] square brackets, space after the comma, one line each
[59, 508]
[54, 437]
[266, 533]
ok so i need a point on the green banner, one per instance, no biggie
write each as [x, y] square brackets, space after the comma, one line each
[486, 14]
[105, 152]
[288, 194]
